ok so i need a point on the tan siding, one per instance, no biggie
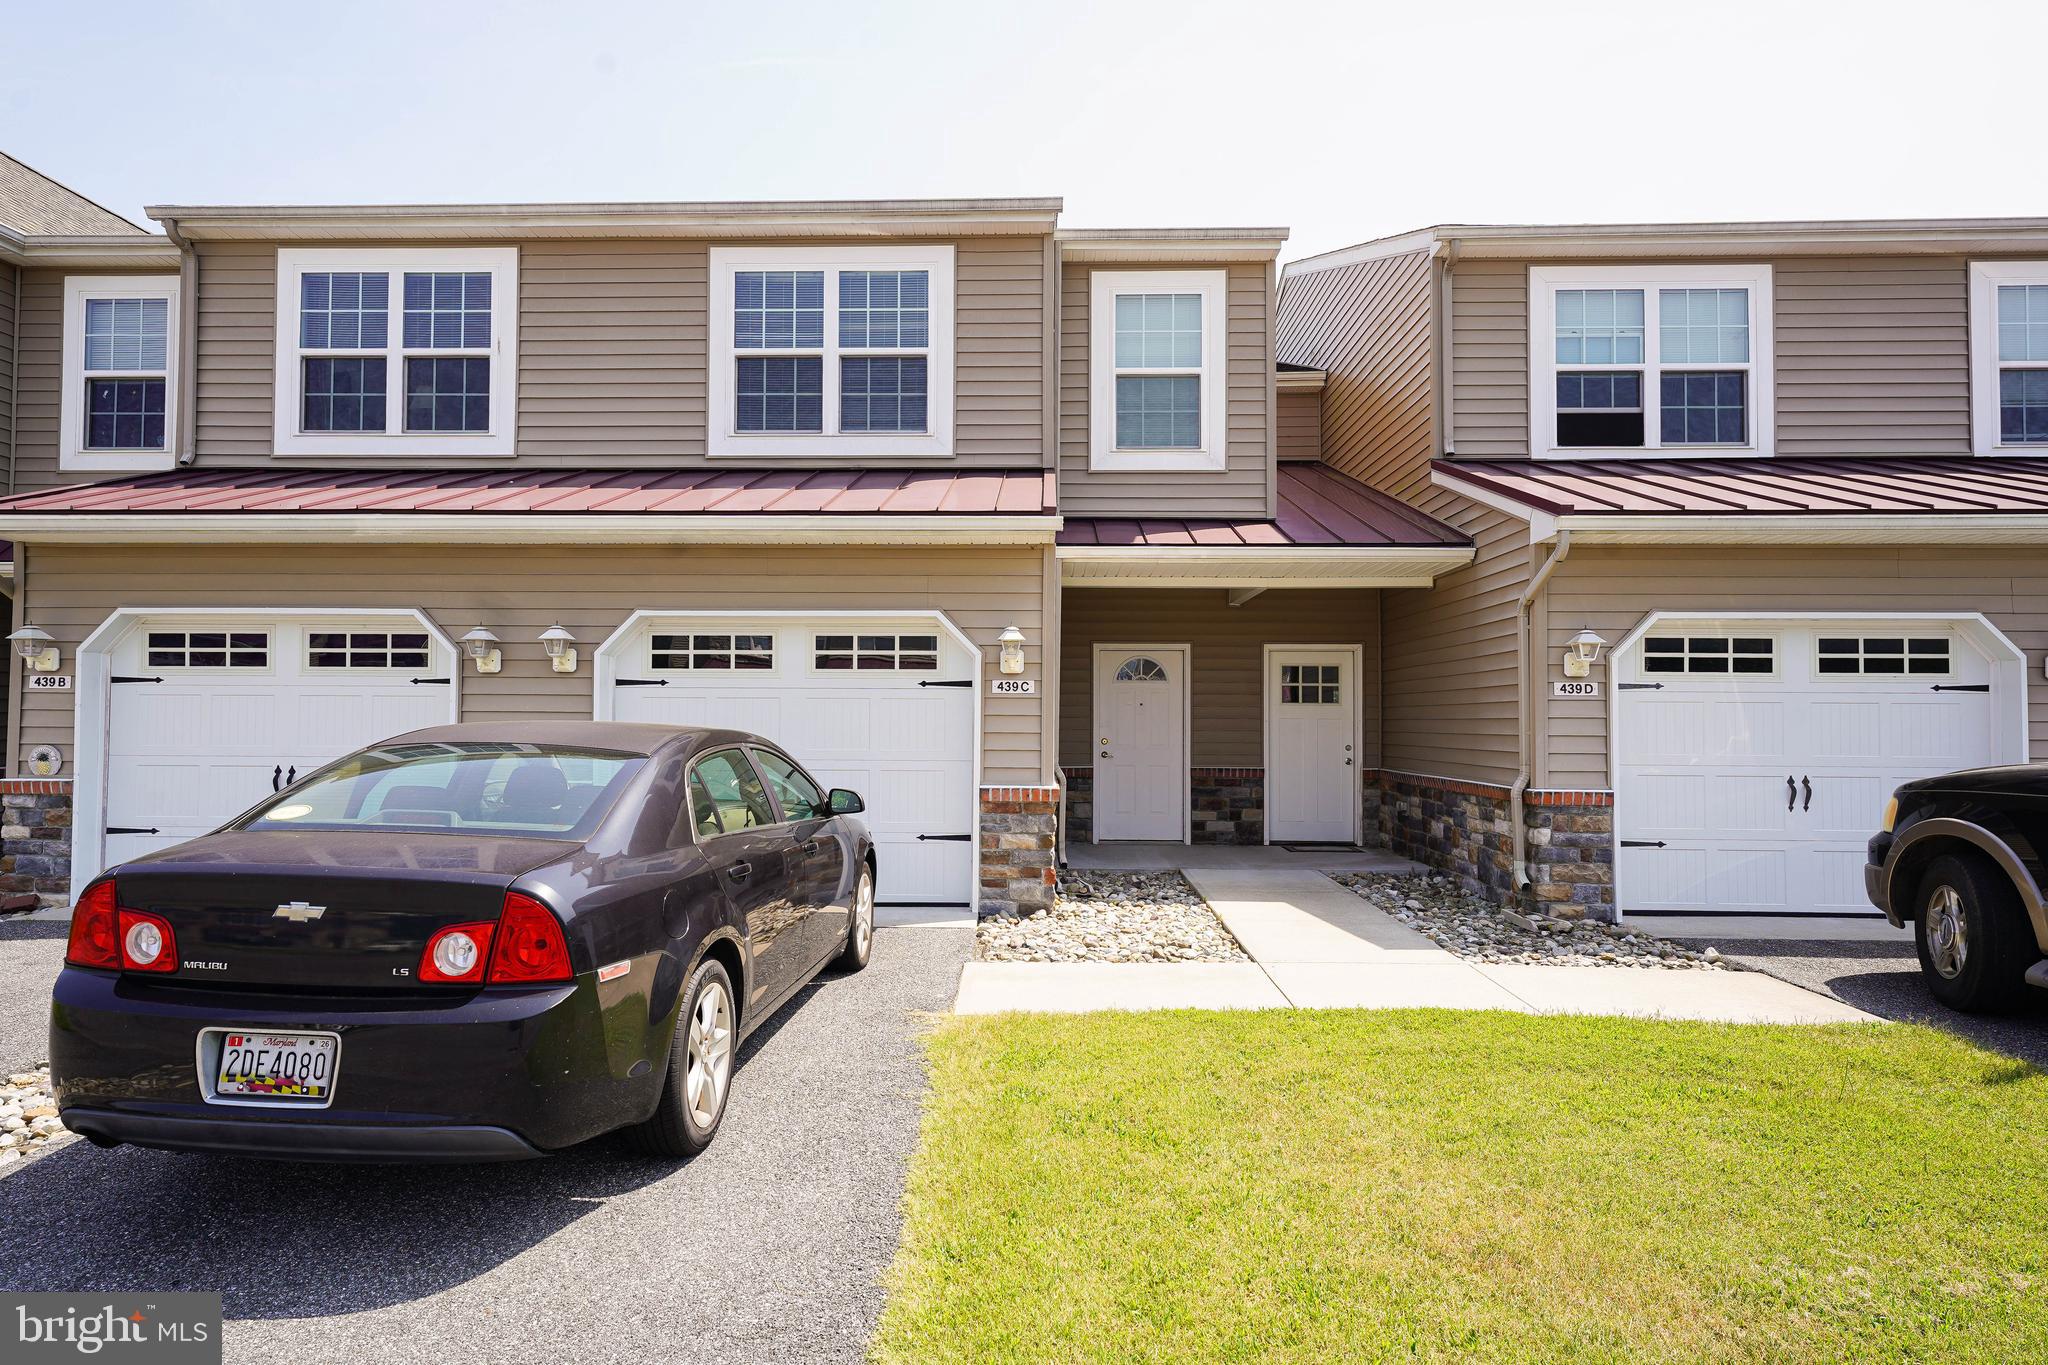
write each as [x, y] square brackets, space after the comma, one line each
[10, 287]
[1490, 359]
[613, 358]
[1369, 326]
[39, 380]
[1611, 589]
[1241, 488]
[1228, 651]
[590, 590]
[1299, 424]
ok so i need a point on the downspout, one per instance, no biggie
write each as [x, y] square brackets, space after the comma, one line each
[1525, 722]
[188, 342]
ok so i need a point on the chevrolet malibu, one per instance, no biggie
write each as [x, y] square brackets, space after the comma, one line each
[467, 943]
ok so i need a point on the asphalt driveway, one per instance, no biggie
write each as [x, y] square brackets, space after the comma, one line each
[770, 1247]
[1884, 979]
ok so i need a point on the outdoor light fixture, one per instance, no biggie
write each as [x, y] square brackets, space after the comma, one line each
[1011, 658]
[560, 645]
[1581, 652]
[482, 647]
[38, 649]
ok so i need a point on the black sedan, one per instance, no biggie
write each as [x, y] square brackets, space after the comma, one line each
[1964, 857]
[466, 943]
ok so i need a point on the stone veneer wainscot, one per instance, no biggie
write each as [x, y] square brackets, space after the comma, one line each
[35, 837]
[1019, 826]
[1463, 828]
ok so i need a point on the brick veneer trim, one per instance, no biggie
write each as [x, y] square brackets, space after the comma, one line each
[1535, 796]
[35, 786]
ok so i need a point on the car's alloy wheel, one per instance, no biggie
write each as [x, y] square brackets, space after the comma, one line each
[1948, 933]
[860, 924]
[709, 1044]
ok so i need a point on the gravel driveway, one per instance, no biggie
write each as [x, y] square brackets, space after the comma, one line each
[31, 953]
[770, 1247]
[1884, 979]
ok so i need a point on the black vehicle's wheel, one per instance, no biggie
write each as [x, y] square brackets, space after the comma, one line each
[700, 1065]
[860, 925]
[1974, 940]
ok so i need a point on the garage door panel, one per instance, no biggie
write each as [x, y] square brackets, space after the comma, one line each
[1839, 729]
[1929, 729]
[1691, 802]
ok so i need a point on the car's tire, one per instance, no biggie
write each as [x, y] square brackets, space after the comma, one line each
[700, 1067]
[1974, 940]
[860, 924]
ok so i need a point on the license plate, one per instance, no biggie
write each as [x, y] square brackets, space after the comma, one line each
[287, 1067]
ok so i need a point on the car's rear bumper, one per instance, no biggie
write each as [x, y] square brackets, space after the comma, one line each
[303, 1141]
[496, 1073]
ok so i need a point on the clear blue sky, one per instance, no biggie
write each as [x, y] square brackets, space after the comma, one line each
[1343, 121]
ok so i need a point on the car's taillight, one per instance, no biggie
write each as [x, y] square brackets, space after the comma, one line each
[95, 929]
[531, 948]
[147, 943]
[456, 955]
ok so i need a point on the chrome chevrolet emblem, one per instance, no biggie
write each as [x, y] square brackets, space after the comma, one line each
[299, 911]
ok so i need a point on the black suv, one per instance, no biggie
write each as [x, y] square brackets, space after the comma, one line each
[1961, 855]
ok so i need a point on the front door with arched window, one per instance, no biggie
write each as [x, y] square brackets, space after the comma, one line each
[1141, 742]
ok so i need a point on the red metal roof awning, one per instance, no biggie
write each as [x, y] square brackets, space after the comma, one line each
[1318, 508]
[533, 492]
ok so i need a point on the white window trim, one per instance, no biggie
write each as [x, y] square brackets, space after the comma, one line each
[722, 437]
[1985, 277]
[503, 265]
[1211, 454]
[71, 452]
[1545, 281]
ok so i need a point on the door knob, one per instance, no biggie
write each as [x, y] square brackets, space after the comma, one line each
[1347, 762]
[1105, 753]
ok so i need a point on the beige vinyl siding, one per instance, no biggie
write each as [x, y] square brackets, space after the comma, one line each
[1243, 488]
[518, 593]
[613, 357]
[1449, 651]
[1298, 428]
[1872, 356]
[1227, 652]
[10, 312]
[1612, 588]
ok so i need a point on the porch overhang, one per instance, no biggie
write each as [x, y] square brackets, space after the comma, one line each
[1898, 500]
[1254, 567]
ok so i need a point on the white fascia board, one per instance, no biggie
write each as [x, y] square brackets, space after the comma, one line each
[1850, 529]
[1141, 566]
[1542, 524]
[426, 528]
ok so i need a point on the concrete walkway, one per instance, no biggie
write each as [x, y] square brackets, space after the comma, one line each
[1315, 945]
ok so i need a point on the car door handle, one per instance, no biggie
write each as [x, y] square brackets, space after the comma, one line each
[810, 846]
[740, 871]
[1791, 792]
[1807, 783]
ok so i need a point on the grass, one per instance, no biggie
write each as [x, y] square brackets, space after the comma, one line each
[1431, 1185]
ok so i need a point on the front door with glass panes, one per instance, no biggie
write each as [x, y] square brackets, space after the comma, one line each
[1312, 768]
[1753, 760]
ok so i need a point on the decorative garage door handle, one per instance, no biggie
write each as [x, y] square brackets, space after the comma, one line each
[945, 838]
[277, 778]
[947, 682]
[1791, 792]
[1807, 783]
[131, 829]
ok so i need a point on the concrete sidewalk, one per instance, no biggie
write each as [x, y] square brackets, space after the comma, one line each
[1315, 945]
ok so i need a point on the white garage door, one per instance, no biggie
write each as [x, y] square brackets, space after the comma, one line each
[205, 715]
[884, 707]
[1755, 759]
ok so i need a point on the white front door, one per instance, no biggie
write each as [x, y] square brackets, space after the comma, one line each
[1312, 745]
[207, 716]
[882, 706]
[1141, 754]
[1754, 760]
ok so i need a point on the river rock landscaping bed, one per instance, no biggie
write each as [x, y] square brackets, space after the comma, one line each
[1113, 917]
[28, 1115]
[1467, 926]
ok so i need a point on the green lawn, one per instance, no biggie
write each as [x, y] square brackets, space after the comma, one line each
[1342, 1185]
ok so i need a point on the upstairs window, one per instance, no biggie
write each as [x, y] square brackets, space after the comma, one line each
[1653, 358]
[398, 351]
[1157, 354]
[120, 392]
[2009, 356]
[844, 349]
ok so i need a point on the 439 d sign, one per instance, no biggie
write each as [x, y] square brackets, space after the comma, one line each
[168, 1329]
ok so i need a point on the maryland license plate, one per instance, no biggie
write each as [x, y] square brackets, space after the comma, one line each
[288, 1067]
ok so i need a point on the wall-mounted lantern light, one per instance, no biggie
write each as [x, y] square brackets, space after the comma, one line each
[1010, 658]
[483, 647]
[38, 649]
[1581, 652]
[561, 648]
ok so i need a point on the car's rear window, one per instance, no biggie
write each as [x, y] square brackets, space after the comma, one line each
[530, 790]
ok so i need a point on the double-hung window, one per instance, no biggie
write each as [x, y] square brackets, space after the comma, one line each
[1157, 348]
[402, 351]
[1664, 358]
[2009, 357]
[817, 350]
[118, 407]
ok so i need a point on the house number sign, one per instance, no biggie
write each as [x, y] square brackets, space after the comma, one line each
[1012, 687]
[1573, 687]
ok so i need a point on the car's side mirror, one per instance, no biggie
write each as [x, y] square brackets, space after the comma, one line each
[844, 802]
